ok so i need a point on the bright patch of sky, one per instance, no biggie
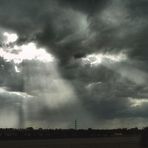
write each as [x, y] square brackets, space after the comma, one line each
[18, 53]
[137, 102]
[98, 58]
[10, 37]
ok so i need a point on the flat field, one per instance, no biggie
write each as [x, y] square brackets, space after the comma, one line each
[110, 142]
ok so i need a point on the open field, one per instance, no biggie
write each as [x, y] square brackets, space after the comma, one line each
[110, 142]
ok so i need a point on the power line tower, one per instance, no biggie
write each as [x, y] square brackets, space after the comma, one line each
[75, 124]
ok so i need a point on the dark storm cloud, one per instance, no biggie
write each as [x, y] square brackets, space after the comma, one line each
[58, 25]
[88, 6]
[71, 29]
[50, 23]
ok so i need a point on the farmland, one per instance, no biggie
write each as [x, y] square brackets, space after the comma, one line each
[104, 142]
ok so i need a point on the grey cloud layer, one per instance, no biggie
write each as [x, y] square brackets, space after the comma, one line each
[71, 29]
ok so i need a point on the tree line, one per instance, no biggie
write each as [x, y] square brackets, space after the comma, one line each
[30, 133]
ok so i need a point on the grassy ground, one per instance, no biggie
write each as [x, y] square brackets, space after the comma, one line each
[111, 142]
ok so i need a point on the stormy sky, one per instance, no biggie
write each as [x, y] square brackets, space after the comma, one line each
[67, 60]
